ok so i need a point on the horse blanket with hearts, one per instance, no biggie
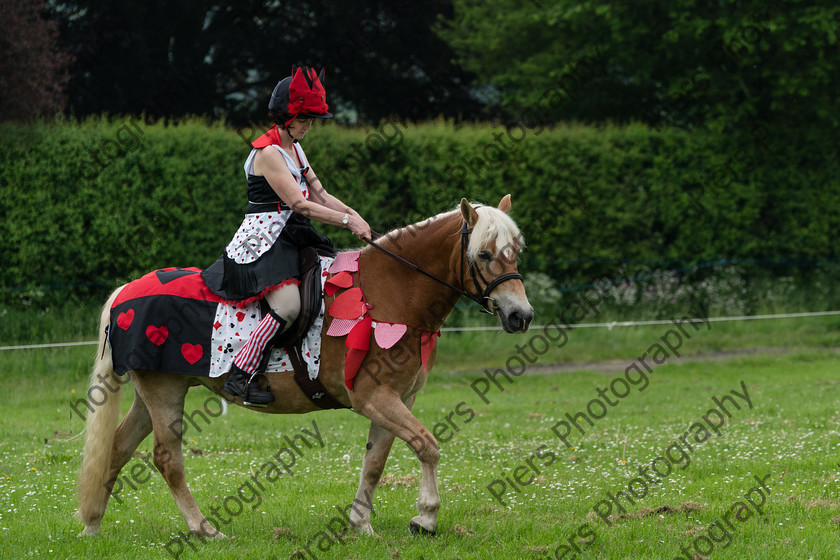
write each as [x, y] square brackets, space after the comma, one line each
[170, 321]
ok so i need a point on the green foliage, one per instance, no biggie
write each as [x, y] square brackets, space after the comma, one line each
[593, 203]
[726, 63]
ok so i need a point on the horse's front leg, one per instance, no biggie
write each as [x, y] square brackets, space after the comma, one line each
[379, 445]
[378, 448]
[386, 410]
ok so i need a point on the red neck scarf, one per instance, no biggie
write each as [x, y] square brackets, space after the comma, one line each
[269, 138]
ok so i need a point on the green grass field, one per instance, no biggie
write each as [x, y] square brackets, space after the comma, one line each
[789, 438]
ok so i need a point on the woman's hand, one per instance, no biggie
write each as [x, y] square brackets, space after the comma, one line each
[358, 226]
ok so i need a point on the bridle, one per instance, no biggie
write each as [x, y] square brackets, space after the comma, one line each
[482, 297]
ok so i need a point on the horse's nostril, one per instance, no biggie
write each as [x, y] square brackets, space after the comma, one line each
[515, 321]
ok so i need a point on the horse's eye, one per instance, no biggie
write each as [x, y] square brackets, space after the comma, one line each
[486, 256]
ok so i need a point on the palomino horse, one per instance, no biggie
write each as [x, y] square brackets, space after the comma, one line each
[452, 247]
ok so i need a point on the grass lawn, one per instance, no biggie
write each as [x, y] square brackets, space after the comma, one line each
[510, 487]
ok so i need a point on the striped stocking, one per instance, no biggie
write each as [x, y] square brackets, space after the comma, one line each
[248, 358]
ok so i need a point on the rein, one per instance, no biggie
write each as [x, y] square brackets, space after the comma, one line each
[488, 304]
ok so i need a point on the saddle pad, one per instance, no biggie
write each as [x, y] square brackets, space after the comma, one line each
[168, 320]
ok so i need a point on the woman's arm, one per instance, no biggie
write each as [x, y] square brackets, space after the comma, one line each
[319, 194]
[322, 206]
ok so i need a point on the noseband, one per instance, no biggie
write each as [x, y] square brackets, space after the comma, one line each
[488, 304]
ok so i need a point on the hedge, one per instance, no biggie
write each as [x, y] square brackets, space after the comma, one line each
[587, 199]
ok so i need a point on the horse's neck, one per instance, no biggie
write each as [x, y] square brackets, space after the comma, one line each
[400, 294]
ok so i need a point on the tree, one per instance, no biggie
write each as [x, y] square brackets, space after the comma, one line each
[724, 63]
[32, 73]
[223, 59]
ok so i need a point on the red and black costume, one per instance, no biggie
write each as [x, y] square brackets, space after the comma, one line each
[263, 254]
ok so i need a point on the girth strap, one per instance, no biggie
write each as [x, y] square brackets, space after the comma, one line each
[312, 388]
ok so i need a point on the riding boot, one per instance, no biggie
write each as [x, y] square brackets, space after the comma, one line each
[240, 381]
[245, 386]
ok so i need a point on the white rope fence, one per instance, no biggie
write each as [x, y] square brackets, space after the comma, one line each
[609, 326]
[614, 324]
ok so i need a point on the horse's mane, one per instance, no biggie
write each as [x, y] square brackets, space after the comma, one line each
[492, 225]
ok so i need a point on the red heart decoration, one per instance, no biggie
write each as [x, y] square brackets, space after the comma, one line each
[157, 335]
[352, 362]
[124, 319]
[340, 327]
[192, 352]
[240, 316]
[388, 334]
[358, 344]
[346, 261]
[341, 280]
[427, 345]
[348, 305]
[359, 337]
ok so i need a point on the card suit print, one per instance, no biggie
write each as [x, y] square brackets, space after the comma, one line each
[166, 276]
[157, 335]
[192, 352]
[348, 305]
[240, 316]
[388, 334]
[124, 319]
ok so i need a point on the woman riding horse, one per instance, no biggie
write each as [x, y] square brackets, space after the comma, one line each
[261, 261]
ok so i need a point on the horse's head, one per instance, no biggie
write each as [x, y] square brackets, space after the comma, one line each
[491, 255]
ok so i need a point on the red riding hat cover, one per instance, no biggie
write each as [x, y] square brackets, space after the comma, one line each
[301, 94]
[307, 94]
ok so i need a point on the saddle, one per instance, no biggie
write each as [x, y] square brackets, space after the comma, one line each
[311, 296]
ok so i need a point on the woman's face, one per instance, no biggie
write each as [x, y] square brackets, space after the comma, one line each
[299, 127]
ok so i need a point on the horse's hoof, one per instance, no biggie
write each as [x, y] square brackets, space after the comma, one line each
[86, 534]
[364, 528]
[417, 529]
[205, 536]
[89, 532]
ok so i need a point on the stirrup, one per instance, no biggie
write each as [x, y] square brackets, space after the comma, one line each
[259, 398]
[251, 396]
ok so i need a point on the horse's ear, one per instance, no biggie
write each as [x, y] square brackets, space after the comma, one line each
[469, 213]
[504, 205]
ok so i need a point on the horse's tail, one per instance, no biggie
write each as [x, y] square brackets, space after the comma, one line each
[101, 427]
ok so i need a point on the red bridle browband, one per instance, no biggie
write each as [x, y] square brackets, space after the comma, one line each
[488, 304]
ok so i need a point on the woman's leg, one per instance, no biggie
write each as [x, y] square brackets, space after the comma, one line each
[285, 307]
[285, 302]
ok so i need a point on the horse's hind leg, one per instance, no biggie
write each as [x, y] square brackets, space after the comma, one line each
[164, 397]
[134, 428]
[379, 446]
